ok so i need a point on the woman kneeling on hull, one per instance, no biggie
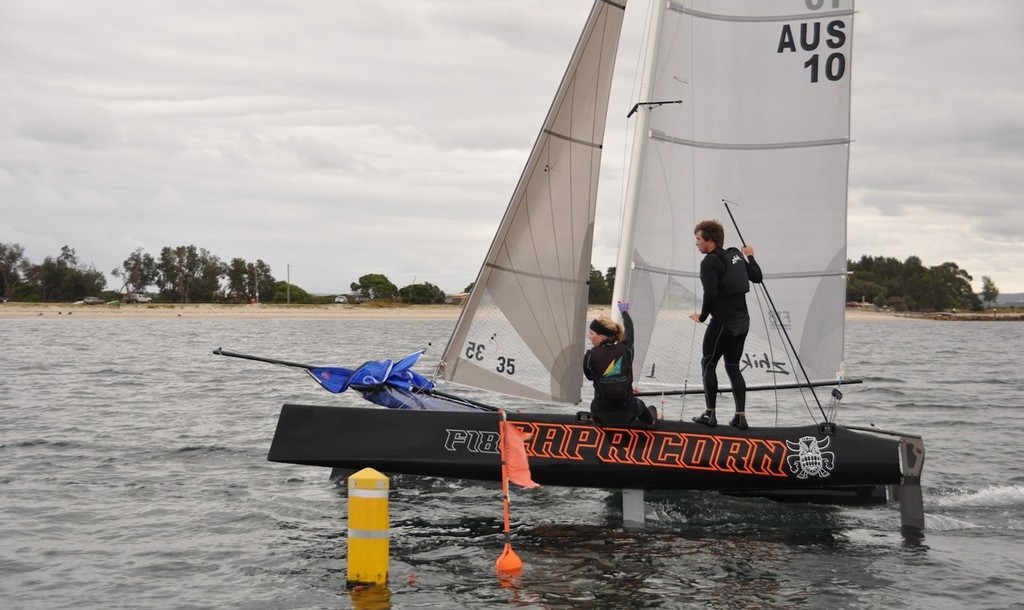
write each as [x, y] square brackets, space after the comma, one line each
[609, 364]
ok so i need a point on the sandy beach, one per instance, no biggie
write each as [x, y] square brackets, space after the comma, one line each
[271, 311]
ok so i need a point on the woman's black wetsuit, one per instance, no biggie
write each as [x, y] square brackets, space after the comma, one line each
[610, 366]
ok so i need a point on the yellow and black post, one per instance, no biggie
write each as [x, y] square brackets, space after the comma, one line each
[367, 528]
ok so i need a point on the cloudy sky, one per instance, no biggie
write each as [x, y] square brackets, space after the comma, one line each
[333, 138]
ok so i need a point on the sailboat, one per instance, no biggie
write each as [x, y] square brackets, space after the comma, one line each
[744, 103]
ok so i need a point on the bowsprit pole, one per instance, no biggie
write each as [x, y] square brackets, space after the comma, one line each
[775, 311]
[220, 351]
[508, 563]
[331, 378]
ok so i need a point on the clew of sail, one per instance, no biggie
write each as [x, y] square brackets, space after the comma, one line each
[522, 327]
[764, 123]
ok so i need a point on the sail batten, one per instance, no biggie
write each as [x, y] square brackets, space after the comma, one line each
[695, 274]
[569, 280]
[571, 139]
[680, 8]
[657, 135]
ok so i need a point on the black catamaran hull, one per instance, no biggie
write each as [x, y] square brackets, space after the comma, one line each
[566, 452]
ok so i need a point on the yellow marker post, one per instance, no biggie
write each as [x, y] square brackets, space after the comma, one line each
[367, 528]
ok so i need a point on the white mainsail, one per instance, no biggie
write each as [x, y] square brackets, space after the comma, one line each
[764, 123]
[522, 328]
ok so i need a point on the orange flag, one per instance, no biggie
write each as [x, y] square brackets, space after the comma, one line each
[517, 467]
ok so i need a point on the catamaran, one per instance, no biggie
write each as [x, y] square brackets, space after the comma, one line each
[743, 104]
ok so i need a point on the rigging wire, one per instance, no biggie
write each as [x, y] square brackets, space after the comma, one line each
[758, 291]
[694, 264]
[771, 350]
[775, 310]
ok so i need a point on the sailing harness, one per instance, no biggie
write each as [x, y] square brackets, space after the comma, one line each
[734, 280]
[728, 307]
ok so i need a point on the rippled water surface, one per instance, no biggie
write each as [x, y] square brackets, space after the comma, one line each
[133, 473]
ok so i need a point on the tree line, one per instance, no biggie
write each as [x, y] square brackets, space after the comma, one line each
[182, 274]
[881, 281]
[910, 286]
[187, 274]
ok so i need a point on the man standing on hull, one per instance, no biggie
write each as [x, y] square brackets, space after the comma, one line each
[725, 276]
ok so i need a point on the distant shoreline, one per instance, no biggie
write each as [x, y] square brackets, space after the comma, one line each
[369, 312]
[210, 310]
[278, 311]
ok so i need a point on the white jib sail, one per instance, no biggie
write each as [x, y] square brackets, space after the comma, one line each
[764, 123]
[522, 328]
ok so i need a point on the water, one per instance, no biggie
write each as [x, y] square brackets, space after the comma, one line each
[133, 474]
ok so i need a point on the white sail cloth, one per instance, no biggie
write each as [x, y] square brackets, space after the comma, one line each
[764, 123]
[521, 329]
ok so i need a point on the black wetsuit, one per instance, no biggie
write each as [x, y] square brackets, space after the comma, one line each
[726, 276]
[610, 366]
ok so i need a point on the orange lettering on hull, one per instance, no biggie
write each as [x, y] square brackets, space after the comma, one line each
[635, 447]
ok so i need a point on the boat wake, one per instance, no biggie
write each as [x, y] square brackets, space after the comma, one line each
[989, 497]
[997, 507]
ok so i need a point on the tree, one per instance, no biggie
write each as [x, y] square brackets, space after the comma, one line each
[264, 284]
[956, 286]
[210, 270]
[238, 275]
[989, 292]
[136, 272]
[896, 303]
[13, 267]
[886, 272]
[422, 294]
[910, 285]
[862, 287]
[189, 274]
[290, 293]
[375, 286]
[599, 290]
[64, 279]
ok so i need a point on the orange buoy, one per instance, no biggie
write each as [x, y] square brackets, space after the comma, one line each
[508, 562]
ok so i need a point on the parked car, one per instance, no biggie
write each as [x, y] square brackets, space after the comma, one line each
[341, 299]
[134, 297]
[92, 301]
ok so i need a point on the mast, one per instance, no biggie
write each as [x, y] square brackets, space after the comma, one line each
[623, 264]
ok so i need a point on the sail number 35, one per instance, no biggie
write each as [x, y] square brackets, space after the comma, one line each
[475, 351]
